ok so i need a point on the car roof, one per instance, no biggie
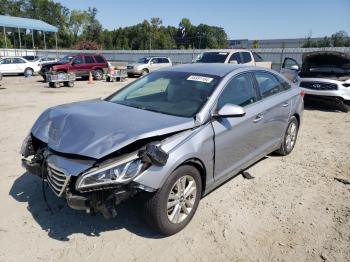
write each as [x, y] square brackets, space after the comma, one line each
[227, 50]
[218, 69]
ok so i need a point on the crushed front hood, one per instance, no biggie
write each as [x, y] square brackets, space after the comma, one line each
[98, 128]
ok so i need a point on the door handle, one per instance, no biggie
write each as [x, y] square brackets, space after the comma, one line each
[258, 118]
[285, 104]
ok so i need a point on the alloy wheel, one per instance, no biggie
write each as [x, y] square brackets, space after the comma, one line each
[291, 135]
[181, 199]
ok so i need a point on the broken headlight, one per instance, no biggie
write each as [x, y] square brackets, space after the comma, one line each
[111, 174]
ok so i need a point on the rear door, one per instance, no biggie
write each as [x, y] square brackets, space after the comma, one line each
[237, 140]
[21, 64]
[89, 64]
[290, 69]
[247, 58]
[274, 108]
[155, 64]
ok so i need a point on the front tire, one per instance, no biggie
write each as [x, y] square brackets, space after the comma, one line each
[290, 137]
[98, 74]
[172, 207]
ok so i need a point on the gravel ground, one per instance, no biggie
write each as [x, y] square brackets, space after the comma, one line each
[293, 210]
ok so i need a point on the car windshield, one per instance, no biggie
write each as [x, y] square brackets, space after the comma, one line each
[66, 59]
[212, 57]
[143, 60]
[173, 93]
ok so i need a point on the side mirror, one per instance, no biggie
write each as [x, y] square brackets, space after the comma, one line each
[235, 62]
[294, 67]
[230, 110]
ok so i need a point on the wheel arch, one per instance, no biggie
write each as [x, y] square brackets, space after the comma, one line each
[199, 165]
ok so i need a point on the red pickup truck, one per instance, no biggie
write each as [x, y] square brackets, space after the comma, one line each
[81, 65]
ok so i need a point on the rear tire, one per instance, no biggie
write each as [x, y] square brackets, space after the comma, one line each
[172, 207]
[28, 71]
[290, 137]
[56, 84]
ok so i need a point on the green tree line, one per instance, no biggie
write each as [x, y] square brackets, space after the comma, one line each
[338, 39]
[80, 29]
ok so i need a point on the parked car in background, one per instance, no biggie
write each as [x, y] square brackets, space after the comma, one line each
[234, 56]
[18, 65]
[174, 135]
[323, 75]
[46, 60]
[148, 64]
[81, 65]
[30, 58]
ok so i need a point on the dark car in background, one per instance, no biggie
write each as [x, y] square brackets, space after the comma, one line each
[81, 65]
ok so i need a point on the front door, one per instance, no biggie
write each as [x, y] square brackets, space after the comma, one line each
[239, 139]
[290, 69]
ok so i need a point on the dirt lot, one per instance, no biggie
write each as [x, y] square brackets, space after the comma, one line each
[294, 209]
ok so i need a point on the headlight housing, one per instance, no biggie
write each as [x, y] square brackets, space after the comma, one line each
[116, 173]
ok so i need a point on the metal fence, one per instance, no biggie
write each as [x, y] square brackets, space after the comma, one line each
[276, 55]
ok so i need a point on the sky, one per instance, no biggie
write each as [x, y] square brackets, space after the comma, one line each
[248, 19]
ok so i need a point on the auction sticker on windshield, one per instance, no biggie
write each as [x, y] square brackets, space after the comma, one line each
[203, 79]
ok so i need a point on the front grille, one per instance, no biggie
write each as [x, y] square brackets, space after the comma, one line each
[129, 67]
[319, 86]
[57, 180]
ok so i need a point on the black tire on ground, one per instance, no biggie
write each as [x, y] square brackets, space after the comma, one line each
[98, 74]
[70, 83]
[344, 107]
[51, 84]
[108, 79]
[284, 149]
[28, 71]
[130, 75]
[57, 84]
[155, 206]
[144, 72]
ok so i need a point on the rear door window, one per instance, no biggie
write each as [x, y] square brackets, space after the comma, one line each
[267, 83]
[285, 85]
[89, 60]
[239, 91]
[246, 57]
[236, 57]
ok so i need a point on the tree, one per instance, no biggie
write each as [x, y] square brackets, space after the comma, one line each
[339, 39]
[77, 21]
[255, 44]
[92, 29]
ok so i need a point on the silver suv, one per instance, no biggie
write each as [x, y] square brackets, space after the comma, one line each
[173, 136]
[148, 64]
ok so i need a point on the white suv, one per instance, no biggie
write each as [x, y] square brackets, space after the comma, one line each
[18, 65]
[147, 64]
[323, 76]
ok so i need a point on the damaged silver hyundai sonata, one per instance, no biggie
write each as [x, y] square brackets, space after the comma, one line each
[173, 135]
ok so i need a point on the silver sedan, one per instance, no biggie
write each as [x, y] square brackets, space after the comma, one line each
[173, 136]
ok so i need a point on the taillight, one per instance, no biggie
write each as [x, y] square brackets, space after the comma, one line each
[302, 93]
